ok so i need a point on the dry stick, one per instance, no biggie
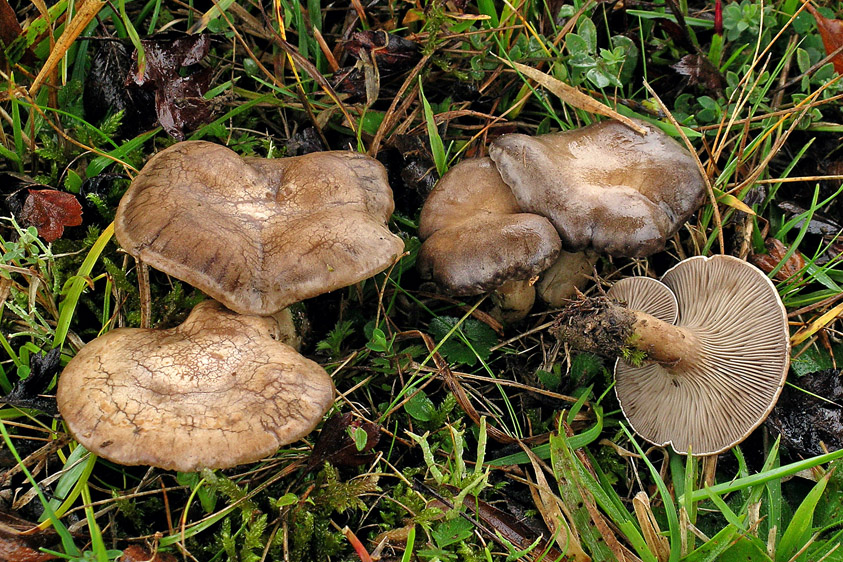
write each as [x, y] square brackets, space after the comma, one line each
[745, 77]
[84, 15]
[390, 114]
[764, 116]
[777, 145]
[823, 62]
[144, 293]
[709, 188]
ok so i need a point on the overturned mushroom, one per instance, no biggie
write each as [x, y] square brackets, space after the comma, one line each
[214, 392]
[604, 187]
[258, 234]
[711, 378]
[476, 239]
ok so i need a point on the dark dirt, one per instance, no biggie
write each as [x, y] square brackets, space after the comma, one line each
[806, 423]
[596, 325]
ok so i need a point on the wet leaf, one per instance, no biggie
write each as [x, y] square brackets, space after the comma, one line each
[337, 446]
[178, 99]
[106, 90]
[26, 392]
[831, 32]
[776, 252]
[496, 523]
[819, 224]
[807, 423]
[391, 53]
[480, 337]
[50, 211]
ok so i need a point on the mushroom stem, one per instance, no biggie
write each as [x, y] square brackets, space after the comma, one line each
[513, 301]
[663, 343]
[601, 326]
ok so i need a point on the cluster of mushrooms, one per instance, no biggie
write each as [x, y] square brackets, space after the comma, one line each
[534, 216]
[548, 205]
[257, 235]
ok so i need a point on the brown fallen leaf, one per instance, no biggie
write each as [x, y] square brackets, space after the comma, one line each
[50, 211]
[179, 100]
[831, 32]
[776, 252]
[136, 553]
[336, 446]
[699, 70]
[21, 540]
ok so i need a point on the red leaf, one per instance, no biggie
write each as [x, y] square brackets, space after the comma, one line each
[776, 252]
[50, 211]
[135, 553]
[831, 32]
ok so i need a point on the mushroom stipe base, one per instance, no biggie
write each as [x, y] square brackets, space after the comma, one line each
[601, 326]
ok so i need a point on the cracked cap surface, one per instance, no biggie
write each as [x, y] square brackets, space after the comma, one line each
[259, 234]
[214, 392]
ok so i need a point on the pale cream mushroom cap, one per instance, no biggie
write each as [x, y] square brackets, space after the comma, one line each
[475, 236]
[259, 234]
[214, 392]
[714, 401]
[647, 295]
[569, 273]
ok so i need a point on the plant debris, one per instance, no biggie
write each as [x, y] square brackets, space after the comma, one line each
[50, 211]
[179, 100]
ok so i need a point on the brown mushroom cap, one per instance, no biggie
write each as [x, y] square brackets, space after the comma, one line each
[476, 237]
[214, 392]
[256, 234]
[724, 388]
[604, 186]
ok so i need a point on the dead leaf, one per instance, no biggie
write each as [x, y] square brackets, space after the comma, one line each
[106, 90]
[391, 53]
[136, 553]
[650, 527]
[27, 391]
[810, 424]
[776, 252]
[336, 446]
[831, 32]
[573, 96]
[20, 541]
[179, 100]
[552, 510]
[50, 211]
[699, 70]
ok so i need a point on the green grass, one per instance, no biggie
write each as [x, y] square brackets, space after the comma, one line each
[456, 395]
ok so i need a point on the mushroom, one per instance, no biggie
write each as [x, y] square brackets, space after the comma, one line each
[647, 295]
[259, 234]
[568, 274]
[714, 375]
[214, 392]
[604, 187]
[476, 239]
